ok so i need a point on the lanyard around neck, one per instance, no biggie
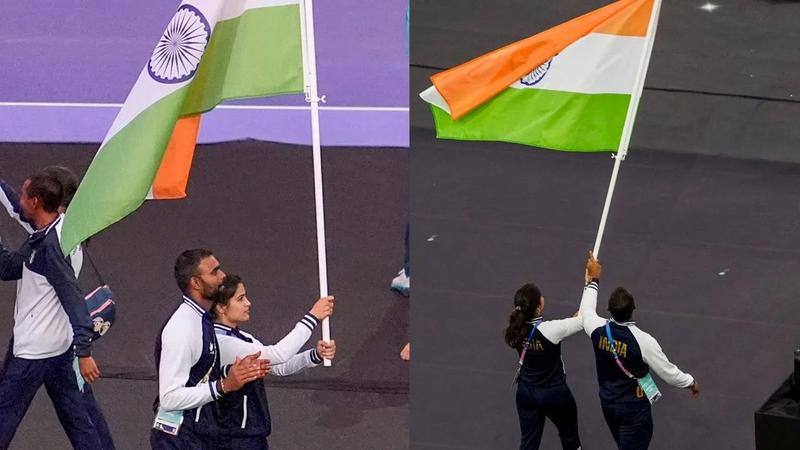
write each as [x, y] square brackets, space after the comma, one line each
[614, 350]
[528, 341]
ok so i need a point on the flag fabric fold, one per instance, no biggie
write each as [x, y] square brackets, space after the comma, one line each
[566, 88]
[210, 51]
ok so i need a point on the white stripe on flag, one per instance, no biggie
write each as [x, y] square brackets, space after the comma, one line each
[595, 64]
[432, 96]
[235, 8]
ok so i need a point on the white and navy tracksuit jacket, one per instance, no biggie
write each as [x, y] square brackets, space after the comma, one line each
[10, 200]
[543, 365]
[245, 413]
[50, 314]
[187, 357]
[638, 351]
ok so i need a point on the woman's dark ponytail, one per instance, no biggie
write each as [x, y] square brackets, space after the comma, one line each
[526, 302]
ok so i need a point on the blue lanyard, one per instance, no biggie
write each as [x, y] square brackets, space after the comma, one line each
[524, 349]
[528, 342]
[614, 350]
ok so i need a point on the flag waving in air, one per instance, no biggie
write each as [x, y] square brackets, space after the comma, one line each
[211, 51]
[566, 88]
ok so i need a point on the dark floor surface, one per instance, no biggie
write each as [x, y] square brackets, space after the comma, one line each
[708, 246]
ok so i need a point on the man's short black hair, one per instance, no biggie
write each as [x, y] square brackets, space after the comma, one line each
[621, 305]
[67, 178]
[186, 266]
[46, 187]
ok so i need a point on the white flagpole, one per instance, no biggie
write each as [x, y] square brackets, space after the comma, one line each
[629, 118]
[310, 60]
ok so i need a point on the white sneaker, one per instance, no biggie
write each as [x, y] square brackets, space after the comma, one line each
[401, 283]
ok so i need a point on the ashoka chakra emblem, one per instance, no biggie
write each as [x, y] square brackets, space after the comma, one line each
[537, 74]
[180, 48]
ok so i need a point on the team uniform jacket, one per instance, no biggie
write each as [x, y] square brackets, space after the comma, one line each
[187, 356]
[638, 351]
[543, 365]
[50, 314]
[245, 413]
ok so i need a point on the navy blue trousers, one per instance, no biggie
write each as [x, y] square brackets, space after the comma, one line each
[97, 418]
[630, 424]
[535, 404]
[20, 380]
[188, 439]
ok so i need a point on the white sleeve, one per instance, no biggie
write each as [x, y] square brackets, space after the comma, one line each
[296, 363]
[588, 309]
[230, 347]
[284, 350]
[654, 357]
[557, 330]
[179, 353]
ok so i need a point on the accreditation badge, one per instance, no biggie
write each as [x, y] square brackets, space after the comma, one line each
[168, 421]
[649, 388]
[79, 378]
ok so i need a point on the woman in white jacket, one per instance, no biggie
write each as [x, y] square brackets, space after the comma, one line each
[244, 415]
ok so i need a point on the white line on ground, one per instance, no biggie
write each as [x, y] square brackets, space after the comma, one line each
[255, 107]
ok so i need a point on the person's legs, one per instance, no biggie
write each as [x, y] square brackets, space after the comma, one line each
[407, 255]
[564, 415]
[97, 418]
[610, 414]
[531, 417]
[631, 425]
[20, 380]
[402, 282]
[637, 428]
[62, 387]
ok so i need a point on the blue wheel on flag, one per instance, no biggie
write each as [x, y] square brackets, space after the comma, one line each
[537, 74]
[178, 52]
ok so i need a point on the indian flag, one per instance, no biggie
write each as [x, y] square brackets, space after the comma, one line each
[567, 88]
[211, 50]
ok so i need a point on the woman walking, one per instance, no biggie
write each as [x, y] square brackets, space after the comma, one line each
[542, 390]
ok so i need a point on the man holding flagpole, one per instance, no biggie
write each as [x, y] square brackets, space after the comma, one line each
[625, 356]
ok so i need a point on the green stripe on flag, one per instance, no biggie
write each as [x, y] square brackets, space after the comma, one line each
[256, 54]
[121, 174]
[554, 120]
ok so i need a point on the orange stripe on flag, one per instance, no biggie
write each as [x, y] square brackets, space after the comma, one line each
[632, 21]
[467, 86]
[173, 174]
